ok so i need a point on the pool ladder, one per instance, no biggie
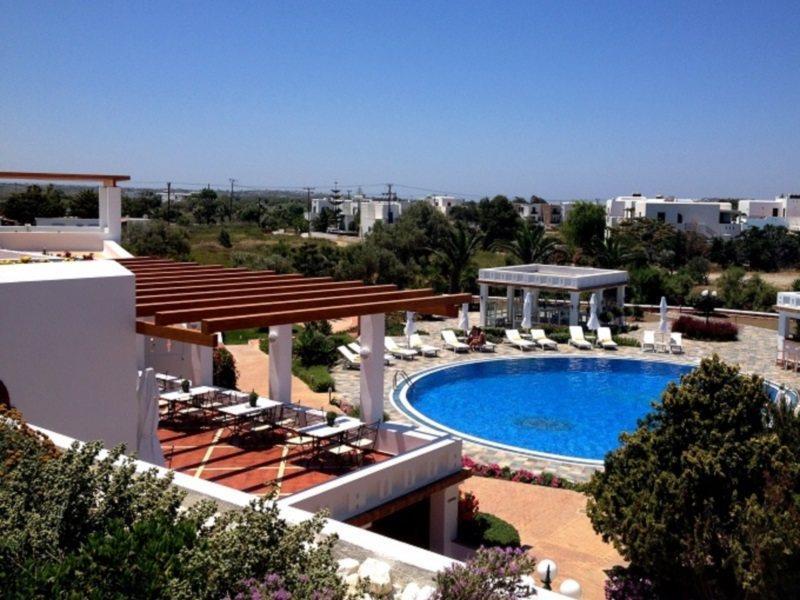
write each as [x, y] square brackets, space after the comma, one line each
[399, 373]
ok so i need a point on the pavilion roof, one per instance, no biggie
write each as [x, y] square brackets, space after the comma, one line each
[169, 293]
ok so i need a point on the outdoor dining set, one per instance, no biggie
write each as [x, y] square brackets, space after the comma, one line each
[254, 420]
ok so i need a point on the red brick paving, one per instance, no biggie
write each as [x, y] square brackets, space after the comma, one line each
[214, 455]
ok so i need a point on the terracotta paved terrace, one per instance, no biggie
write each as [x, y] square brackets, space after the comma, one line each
[215, 454]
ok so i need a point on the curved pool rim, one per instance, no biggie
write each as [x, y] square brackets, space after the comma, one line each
[399, 400]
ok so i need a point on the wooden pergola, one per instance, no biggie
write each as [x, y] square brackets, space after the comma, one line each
[169, 293]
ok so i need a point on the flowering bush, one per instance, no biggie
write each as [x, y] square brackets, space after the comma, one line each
[467, 507]
[495, 471]
[493, 573]
[624, 585]
[274, 587]
[712, 330]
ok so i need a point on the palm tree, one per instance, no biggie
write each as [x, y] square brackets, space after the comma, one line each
[612, 253]
[456, 249]
[530, 244]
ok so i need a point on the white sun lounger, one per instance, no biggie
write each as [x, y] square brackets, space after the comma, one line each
[397, 351]
[540, 339]
[355, 347]
[353, 361]
[577, 339]
[451, 341]
[676, 343]
[649, 340]
[604, 339]
[416, 343]
[515, 339]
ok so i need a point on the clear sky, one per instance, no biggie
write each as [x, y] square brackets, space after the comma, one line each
[560, 99]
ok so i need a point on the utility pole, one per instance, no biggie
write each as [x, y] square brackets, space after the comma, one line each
[230, 202]
[169, 199]
[308, 206]
[388, 193]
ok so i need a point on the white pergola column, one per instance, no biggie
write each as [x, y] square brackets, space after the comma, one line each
[783, 330]
[443, 523]
[535, 305]
[111, 211]
[484, 294]
[510, 305]
[621, 303]
[372, 328]
[280, 363]
[574, 307]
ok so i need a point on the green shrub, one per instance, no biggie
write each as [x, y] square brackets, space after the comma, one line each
[224, 238]
[490, 531]
[317, 377]
[225, 372]
[624, 340]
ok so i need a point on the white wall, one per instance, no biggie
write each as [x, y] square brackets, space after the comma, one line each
[187, 361]
[68, 347]
[36, 240]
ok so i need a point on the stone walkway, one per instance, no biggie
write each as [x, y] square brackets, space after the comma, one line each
[754, 352]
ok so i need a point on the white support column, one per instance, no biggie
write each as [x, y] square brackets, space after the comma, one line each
[535, 305]
[141, 341]
[484, 303]
[202, 364]
[574, 307]
[280, 363]
[510, 305]
[443, 524]
[372, 328]
[621, 303]
[111, 211]
[783, 330]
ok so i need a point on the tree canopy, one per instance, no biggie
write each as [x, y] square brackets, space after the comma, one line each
[585, 226]
[704, 497]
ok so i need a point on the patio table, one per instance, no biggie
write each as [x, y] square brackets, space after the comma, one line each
[322, 431]
[239, 414]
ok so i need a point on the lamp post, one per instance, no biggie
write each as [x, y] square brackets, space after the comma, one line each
[547, 570]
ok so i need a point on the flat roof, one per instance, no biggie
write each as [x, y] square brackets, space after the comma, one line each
[105, 179]
[553, 277]
[61, 270]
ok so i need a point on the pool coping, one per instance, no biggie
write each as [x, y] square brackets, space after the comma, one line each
[398, 399]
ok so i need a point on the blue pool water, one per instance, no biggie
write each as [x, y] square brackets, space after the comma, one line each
[569, 406]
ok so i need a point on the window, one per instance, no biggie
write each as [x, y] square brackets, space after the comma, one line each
[774, 212]
[680, 218]
[661, 217]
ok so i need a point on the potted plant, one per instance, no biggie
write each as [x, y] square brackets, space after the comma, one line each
[330, 417]
[185, 385]
[253, 397]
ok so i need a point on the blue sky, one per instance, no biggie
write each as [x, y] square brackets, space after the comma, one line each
[560, 99]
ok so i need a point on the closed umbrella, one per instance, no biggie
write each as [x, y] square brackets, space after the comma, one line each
[662, 324]
[409, 328]
[463, 322]
[147, 445]
[527, 309]
[594, 322]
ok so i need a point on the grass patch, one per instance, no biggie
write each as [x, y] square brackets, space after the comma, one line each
[317, 377]
[242, 336]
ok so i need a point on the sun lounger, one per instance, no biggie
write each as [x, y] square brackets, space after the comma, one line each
[540, 339]
[397, 351]
[515, 339]
[577, 339]
[353, 361]
[604, 339]
[486, 346]
[415, 342]
[355, 347]
[676, 343]
[451, 342]
[649, 340]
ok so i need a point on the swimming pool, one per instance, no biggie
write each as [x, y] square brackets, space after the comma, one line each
[570, 407]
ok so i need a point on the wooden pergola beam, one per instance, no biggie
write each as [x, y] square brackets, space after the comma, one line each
[446, 305]
[178, 334]
[364, 295]
[151, 260]
[149, 309]
[168, 271]
[210, 277]
[308, 284]
[239, 283]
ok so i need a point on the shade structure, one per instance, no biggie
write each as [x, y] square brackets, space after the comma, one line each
[147, 445]
[593, 322]
[408, 330]
[663, 325]
[463, 321]
[527, 310]
[191, 303]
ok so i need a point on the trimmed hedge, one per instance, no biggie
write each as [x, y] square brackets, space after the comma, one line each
[490, 531]
[699, 329]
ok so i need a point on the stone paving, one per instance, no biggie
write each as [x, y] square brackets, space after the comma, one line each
[754, 352]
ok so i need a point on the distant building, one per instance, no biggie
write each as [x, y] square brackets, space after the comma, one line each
[371, 211]
[783, 211]
[173, 196]
[385, 211]
[710, 219]
[444, 203]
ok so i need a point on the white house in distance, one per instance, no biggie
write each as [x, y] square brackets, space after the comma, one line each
[444, 203]
[710, 219]
[783, 211]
